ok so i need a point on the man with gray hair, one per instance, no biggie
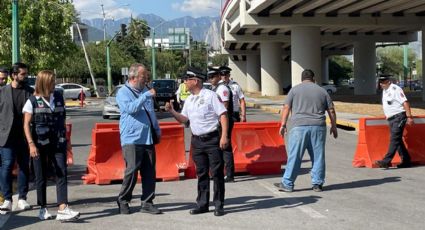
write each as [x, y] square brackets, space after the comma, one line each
[139, 132]
[307, 103]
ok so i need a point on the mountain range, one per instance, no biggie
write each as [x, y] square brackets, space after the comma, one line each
[204, 29]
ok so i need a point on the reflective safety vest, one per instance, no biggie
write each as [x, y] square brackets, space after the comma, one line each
[184, 93]
[48, 127]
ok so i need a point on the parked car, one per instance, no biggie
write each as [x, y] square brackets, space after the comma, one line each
[73, 91]
[31, 82]
[165, 91]
[110, 105]
[331, 89]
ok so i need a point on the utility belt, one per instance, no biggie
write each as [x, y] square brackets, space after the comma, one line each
[207, 136]
[398, 115]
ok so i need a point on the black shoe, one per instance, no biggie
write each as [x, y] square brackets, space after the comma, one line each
[382, 164]
[123, 208]
[197, 211]
[218, 212]
[404, 165]
[150, 208]
[281, 187]
[318, 188]
[229, 179]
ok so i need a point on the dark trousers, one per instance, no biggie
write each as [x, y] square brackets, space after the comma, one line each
[9, 153]
[396, 124]
[236, 117]
[138, 158]
[229, 162]
[49, 155]
[208, 157]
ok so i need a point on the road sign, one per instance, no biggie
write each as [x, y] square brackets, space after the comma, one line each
[124, 71]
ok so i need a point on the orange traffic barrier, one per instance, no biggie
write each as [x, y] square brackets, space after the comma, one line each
[115, 125]
[258, 149]
[374, 138]
[69, 154]
[106, 164]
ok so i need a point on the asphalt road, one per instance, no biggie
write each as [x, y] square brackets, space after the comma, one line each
[354, 198]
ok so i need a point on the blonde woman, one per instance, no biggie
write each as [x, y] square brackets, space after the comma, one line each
[44, 126]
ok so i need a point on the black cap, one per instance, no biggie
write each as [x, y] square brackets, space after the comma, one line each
[194, 72]
[213, 70]
[225, 70]
[384, 77]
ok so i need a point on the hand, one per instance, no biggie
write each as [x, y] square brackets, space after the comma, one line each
[33, 151]
[153, 92]
[243, 118]
[169, 106]
[283, 130]
[334, 132]
[410, 121]
[223, 142]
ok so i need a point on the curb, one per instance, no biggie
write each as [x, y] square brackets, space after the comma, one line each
[343, 123]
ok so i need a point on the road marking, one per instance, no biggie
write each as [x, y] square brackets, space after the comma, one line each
[305, 209]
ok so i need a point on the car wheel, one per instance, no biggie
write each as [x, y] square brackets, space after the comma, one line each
[329, 91]
[105, 117]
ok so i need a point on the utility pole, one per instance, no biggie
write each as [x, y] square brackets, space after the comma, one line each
[153, 54]
[15, 32]
[104, 22]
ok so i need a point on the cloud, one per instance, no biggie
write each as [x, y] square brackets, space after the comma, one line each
[92, 9]
[199, 8]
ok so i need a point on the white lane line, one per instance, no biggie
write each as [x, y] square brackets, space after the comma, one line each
[304, 208]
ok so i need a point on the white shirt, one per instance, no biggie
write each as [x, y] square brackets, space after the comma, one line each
[223, 92]
[237, 95]
[28, 106]
[392, 100]
[203, 111]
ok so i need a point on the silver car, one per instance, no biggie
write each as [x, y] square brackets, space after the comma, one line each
[73, 91]
[110, 106]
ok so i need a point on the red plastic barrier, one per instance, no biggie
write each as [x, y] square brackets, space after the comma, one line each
[106, 164]
[374, 138]
[258, 149]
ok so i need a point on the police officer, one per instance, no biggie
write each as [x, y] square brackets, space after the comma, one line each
[206, 113]
[182, 94]
[397, 111]
[226, 96]
[238, 96]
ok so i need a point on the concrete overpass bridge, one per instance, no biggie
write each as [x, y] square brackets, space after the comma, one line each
[270, 42]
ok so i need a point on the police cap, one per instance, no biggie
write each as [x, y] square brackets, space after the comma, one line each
[225, 70]
[194, 72]
[212, 71]
[384, 77]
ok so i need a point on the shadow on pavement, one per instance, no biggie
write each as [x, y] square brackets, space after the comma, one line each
[358, 184]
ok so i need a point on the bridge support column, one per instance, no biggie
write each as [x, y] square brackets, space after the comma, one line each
[271, 69]
[253, 73]
[306, 52]
[238, 73]
[364, 68]
[325, 69]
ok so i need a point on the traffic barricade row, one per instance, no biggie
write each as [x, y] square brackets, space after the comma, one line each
[374, 139]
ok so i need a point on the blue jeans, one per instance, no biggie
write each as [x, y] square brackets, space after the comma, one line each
[8, 155]
[300, 138]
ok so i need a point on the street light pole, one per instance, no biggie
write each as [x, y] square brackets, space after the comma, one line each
[15, 32]
[104, 22]
[153, 54]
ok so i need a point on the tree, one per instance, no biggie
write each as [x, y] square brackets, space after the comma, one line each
[391, 59]
[340, 68]
[220, 60]
[45, 36]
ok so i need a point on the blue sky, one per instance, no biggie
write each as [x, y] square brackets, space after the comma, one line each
[167, 9]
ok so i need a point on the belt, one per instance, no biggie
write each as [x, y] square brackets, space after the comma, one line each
[207, 136]
[402, 114]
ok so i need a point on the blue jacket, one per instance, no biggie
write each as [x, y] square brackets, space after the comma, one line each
[134, 122]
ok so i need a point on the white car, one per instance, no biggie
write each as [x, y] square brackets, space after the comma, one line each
[110, 106]
[73, 91]
[331, 89]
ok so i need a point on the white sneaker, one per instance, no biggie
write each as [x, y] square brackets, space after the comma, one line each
[67, 214]
[23, 205]
[44, 214]
[6, 207]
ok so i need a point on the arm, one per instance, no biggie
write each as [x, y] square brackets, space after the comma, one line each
[406, 106]
[224, 141]
[332, 117]
[243, 109]
[27, 121]
[178, 116]
[285, 113]
[128, 105]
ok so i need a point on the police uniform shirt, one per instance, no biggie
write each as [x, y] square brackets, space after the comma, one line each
[237, 95]
[223, 92]
[203, 111]
[28, 106]
[392, 100]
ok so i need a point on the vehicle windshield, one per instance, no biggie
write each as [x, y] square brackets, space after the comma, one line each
[163, 84]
